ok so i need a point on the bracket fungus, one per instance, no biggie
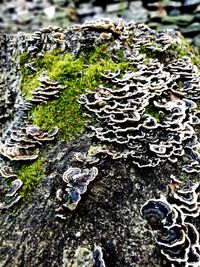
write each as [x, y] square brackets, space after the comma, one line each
[46, 90]
[98, 257]
[123, 119]
[145, 111]
[11, 197]
[91, 155]
[20, 140]
[77, 181]
[21, 143]
[186, 196]
[177, 238]
[7, 172]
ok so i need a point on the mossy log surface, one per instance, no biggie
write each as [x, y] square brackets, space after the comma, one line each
[108, 214]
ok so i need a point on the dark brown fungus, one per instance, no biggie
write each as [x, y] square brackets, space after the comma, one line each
[177, 238]
[77, 181]
[11, 197]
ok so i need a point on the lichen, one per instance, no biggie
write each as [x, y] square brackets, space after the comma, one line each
[78, 75]
[31, 176]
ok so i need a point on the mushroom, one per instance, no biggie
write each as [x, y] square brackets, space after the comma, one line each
[16, 184]
[22, 143]
[177, 238]
[46, 90]
[77, 181]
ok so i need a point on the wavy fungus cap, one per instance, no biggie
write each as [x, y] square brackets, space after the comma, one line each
[77, 181]
[177, 239]
[122, 117]
[11, 197]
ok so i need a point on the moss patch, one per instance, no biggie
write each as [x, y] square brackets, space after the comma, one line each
[28, 79]
[161, 56]
[151, 110]
[31, 175]
[185, 49]
[176, 50]
[78, 75]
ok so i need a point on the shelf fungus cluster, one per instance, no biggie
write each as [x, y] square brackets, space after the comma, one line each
[46, 39]
[147, 114]
[123, 35]
[139, 34]
[77, 181]
[11, 196]
[20, 140]
[22, 143]
[168, 216]
[47, 90]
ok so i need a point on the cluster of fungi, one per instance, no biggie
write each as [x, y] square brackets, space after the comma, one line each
[47, 90]
[20, 139]
[147, 114]
[177, 238]
[77, 181]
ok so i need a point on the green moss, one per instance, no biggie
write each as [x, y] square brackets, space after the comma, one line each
[151, 110]
[161, 56]
[31, 175]
[176, 50]
[29, 80]
[185, 49]
[23, 58]
[78, 75]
